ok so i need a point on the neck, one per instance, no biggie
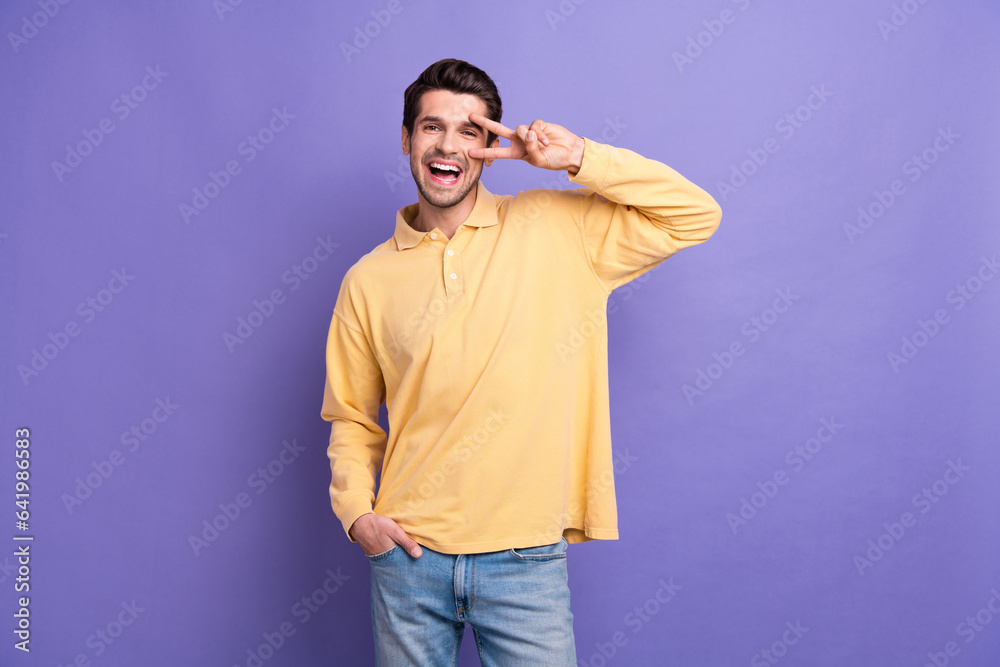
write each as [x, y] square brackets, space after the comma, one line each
[448, 220]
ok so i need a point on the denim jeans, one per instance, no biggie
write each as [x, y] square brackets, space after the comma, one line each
[516, 601]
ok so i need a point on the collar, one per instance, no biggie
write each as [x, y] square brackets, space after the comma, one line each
[483, 214]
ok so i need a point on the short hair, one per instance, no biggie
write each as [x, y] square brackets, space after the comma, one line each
[458, 77]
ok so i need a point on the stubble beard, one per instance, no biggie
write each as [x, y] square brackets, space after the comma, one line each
[438, 200]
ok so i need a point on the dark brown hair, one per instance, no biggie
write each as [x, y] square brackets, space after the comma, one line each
[458, 77]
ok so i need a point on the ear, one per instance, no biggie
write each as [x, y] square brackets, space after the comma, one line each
[405, 140]
[495, 144]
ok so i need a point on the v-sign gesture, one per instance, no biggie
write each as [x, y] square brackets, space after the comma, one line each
[541, 144]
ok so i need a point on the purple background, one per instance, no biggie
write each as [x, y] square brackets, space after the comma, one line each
[331, 174]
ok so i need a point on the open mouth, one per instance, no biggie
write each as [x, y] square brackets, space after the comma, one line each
[444, 173]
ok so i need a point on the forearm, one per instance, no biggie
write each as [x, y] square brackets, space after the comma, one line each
[669, 200]
[355, 455]
[352, 397]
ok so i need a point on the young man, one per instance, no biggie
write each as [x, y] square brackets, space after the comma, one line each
[482, 325]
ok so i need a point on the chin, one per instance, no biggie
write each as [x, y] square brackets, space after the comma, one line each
[435, 197]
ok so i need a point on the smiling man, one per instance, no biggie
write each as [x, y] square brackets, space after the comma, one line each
[442, 182]
[481, 324]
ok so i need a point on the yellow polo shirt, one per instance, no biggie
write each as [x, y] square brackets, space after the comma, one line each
[490, 352]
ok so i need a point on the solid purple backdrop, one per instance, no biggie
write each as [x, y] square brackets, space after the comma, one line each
[867, 345]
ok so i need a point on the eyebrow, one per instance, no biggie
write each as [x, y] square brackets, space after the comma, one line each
[440, 121]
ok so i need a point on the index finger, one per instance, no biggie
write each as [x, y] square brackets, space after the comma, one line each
[491, 125]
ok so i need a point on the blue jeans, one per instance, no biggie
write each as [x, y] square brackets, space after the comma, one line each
[517, 602]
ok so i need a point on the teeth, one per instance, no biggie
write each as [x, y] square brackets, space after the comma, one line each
[445, 167]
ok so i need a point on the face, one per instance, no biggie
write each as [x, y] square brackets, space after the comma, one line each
[438, 149]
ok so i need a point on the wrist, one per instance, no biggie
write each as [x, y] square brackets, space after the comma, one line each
[576, 156]
[350, 532]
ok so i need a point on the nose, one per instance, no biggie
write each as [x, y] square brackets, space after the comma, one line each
[449, 142]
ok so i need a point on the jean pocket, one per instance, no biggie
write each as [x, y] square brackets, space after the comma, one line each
[381, 556]
[544, 552]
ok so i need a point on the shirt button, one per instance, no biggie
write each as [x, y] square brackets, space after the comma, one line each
[434, 236]
[454, 275]
[450, 251]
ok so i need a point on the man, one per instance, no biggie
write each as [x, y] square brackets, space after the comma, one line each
[482, 325]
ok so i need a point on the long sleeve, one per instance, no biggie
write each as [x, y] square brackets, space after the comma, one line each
[640, 212]
[354, 392]
[490, 350]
